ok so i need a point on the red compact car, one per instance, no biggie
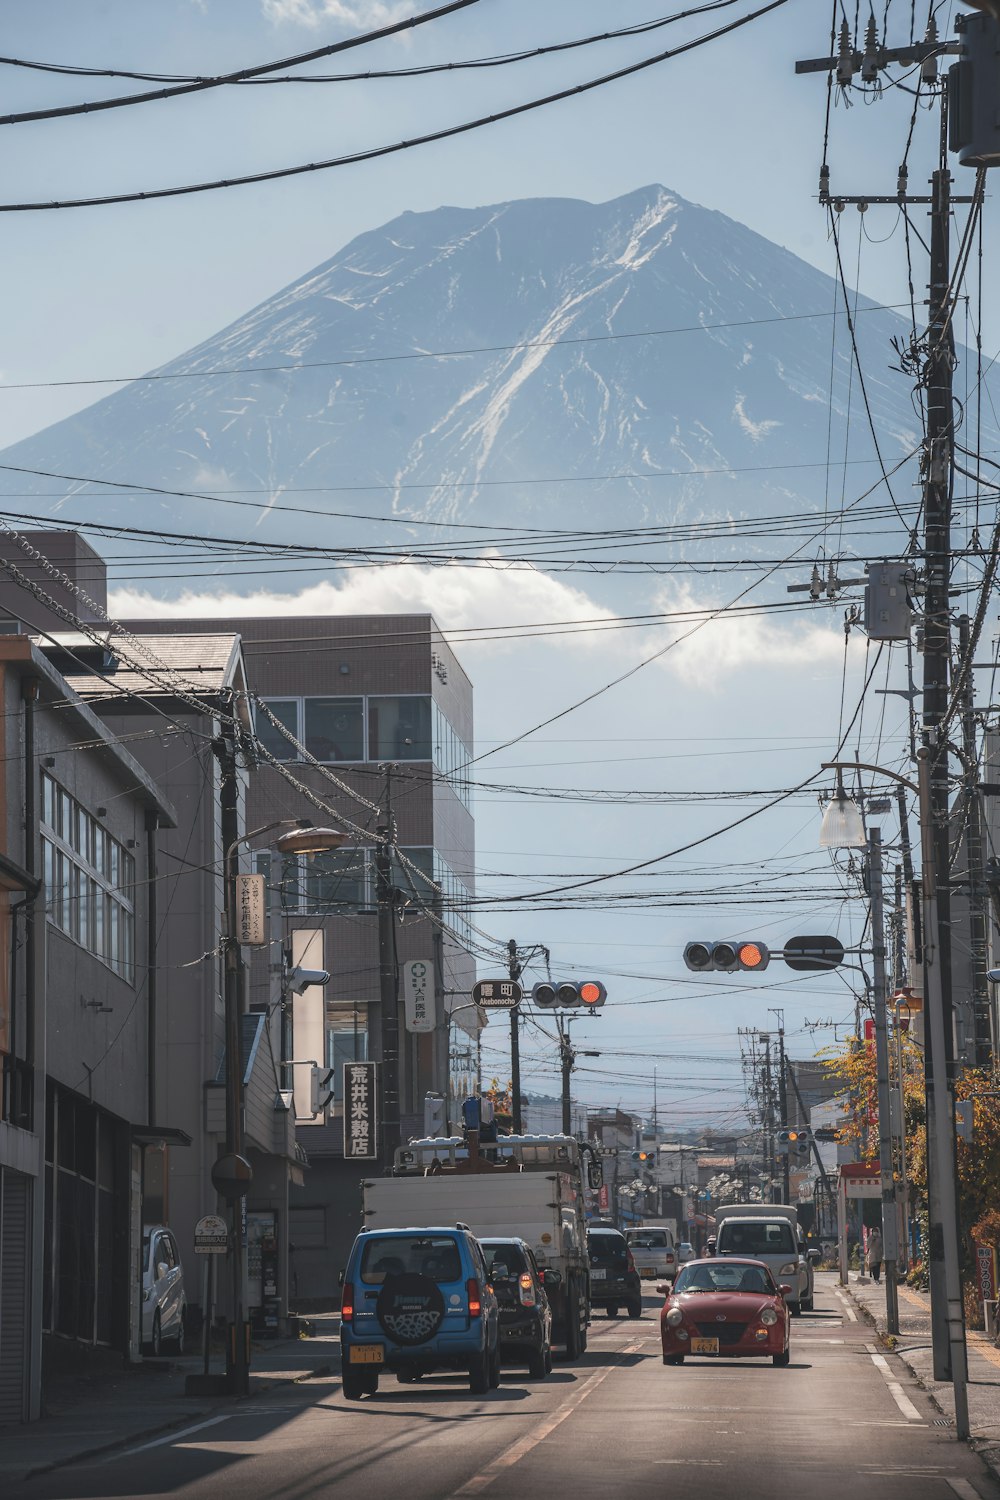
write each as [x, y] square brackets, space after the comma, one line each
[725, 1308]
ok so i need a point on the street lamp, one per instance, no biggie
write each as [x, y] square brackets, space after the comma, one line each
[947, 1309]
[232, 1174]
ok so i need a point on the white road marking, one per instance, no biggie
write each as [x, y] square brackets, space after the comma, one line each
[964, 1489]
[524, 1445]
[848, 1309]
[895, 1390]
[171, 1437]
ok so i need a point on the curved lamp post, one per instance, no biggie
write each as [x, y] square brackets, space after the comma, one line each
[947, 1310]
[232, 1175]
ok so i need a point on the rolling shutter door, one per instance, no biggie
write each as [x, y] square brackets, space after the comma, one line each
[14, 1298]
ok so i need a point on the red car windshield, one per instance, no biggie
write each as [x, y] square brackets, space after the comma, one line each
[725, 1276]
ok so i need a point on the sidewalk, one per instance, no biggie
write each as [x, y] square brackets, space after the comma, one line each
[91, 1415]
[914, 1347]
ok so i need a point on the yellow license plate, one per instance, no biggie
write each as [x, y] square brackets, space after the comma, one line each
[367, 1354]
[704, 1346]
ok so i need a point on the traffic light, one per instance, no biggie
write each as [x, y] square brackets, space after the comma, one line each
[726, 958]
[585, 993]
[793, 1142]
[320, 1089]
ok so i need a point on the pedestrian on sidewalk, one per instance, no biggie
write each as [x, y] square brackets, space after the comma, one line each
[875, 1254]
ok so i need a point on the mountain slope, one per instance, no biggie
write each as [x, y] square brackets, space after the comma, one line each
[500, 434]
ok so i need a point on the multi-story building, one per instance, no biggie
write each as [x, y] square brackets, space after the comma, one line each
[80, 823]
[371, 716]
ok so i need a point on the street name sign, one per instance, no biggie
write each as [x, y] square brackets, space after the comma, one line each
[498, 994]
[211, 1236]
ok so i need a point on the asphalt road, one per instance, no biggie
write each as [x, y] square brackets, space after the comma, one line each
[843, 1422]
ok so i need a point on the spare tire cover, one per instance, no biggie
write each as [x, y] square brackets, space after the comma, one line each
[410, 1308]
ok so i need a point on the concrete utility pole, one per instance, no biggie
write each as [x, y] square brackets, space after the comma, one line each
[515, 968]
[388, 975]
[770, 1161]
[786, 1166]
[937, 473]
[890, 1220]
[980, 1042]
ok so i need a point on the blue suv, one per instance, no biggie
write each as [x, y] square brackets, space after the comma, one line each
[417, 1300]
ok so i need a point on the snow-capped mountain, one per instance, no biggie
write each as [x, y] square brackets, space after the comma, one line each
[497, 365]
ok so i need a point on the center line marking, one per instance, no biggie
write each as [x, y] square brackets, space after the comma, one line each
[524, 1445]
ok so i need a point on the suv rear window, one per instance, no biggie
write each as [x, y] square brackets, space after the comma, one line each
[433, 1256]
[511, 1256]
[762, 1237]
[605, 1248]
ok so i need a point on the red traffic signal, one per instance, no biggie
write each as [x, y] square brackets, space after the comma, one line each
[727, 958]
[569, 994]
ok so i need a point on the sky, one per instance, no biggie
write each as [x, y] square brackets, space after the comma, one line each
[113, 291]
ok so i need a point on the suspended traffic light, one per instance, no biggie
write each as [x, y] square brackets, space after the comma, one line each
[569, 994]
[727, 958]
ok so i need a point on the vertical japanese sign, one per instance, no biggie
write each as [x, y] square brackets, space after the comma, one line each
[308, 1022]
[361, 1111]
[986, 1269]
[418, 995]
[250, 916]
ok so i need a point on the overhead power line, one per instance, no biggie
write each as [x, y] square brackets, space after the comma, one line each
[373, 153]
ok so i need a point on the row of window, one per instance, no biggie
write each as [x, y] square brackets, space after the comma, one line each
[407, 727]
[343, 881]
[89, 880]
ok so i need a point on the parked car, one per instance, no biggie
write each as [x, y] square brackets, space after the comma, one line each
[614, 1280]
[525, 1314]
[685, 1252]
[653, 1251]
[726, 1309]
[417, 1300]
[164, 1303]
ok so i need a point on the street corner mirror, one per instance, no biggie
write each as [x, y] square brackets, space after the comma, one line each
[785, 1289]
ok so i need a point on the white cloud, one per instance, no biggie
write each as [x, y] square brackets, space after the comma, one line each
[737, 643]
[457, 596]
[362, 15]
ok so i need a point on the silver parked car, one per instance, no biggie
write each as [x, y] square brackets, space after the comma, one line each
[685, 1252]
[164, 1305]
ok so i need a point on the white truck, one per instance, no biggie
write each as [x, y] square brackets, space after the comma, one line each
[530, 1186]
[769, 1232]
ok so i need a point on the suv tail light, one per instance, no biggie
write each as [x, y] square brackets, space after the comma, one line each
[630, 1260]
[475, 1300]
[526, 1287]
[347, 1303]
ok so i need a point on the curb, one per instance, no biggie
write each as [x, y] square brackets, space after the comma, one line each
[321, 1370]
[979, 1446]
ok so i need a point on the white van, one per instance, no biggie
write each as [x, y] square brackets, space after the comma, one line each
[769, 1232]
[653, 1250]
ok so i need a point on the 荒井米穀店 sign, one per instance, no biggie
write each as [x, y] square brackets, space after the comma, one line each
[360, 1111]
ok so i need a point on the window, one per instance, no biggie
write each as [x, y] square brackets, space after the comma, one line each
[452, 756]
[89, 880]
[399, 728]
[286, 711]
[335, 880]
[335, 728]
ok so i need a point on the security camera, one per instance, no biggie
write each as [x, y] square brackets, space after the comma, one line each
[300, 979]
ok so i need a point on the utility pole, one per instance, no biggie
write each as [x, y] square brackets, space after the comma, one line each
[786, 1165]
[388, 975]
[515, 968]
[238, 1342]
[567, 1057]
[769, 1157]
[890, 1220]
[937, 471]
